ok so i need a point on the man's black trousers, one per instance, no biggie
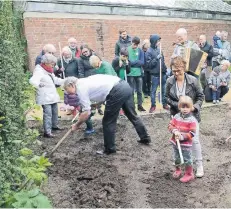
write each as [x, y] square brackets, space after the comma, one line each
[121, 95]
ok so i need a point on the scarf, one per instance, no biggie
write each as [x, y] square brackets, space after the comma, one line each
[47, 68]
[73, 50]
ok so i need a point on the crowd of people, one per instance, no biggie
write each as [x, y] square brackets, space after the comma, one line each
[90, 82]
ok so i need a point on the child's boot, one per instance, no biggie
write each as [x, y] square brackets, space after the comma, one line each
[177, 173]
[188, 175]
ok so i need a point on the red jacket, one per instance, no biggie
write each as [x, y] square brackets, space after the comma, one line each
[78, 53]
[186, 125]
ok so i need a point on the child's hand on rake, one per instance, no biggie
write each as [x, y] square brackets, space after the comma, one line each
[177, 135]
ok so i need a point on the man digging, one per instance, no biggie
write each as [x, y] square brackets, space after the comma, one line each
[117, 94]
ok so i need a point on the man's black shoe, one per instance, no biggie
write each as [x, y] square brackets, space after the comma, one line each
[140, 108]
[105, 152]
[57, 129]
[144, 141]
[49, 135]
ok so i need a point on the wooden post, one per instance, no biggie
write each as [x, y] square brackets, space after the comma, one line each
[61, 59]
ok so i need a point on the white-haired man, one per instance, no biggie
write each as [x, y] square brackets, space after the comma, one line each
[223, 53]
[76, 52]
[117, 93]
[48, 48]
[182, 43]
[70, 64]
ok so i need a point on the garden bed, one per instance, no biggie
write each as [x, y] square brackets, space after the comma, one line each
[138, 175]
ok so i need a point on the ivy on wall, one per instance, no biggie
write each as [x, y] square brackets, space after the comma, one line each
[14, 135]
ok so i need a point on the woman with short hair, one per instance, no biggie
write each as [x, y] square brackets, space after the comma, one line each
[68, 65]
[183, 84]
[44, 80]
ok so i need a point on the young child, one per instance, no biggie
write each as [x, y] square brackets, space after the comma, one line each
[217, 40]
[215, 81]
[183, 126]
[73, 101]
[121, 64]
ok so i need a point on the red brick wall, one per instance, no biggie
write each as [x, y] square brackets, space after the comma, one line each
[101, 35]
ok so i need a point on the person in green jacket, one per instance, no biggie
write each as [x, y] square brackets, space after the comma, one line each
[121, 64]
[101, 67]
[136, 58]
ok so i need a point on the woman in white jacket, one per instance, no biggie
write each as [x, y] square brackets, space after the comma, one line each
[44, 81]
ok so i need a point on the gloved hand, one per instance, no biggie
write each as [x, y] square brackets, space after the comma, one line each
[159, 56]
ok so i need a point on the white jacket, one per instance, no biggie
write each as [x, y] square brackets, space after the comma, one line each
[46, 94]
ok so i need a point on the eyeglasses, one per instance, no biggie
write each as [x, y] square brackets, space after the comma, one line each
[51, 53]
[84, 52]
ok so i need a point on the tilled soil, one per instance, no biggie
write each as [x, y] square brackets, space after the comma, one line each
[138, 175]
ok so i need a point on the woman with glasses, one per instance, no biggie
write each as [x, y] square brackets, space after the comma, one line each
[85, 69]
[183, 84]
[44, 80]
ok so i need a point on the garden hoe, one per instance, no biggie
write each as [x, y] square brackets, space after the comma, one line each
[62, 139]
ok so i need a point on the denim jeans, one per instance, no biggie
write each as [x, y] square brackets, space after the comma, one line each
[216, 94]
[147, 83]
[187, 155]
[155, 84]
[120, 96]
[136, 83]
[50, 117]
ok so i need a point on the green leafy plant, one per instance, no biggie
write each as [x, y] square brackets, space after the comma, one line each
[31, 199]
[33, 167]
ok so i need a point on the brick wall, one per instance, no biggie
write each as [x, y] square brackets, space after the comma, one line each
[102, 34]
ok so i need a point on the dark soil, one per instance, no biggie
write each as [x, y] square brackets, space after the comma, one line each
[137, 175]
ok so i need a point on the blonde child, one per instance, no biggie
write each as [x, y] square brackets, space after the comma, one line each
[183, 126]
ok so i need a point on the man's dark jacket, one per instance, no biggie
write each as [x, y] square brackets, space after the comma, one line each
[152, 62]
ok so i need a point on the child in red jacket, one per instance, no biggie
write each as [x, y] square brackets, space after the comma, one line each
[183, 126]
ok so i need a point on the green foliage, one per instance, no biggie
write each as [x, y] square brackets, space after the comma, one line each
[31, 199]
[15, 100]
[34, 167]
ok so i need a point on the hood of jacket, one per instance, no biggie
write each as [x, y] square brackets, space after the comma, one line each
[125, 41]
[153, 40]
[215, 38]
